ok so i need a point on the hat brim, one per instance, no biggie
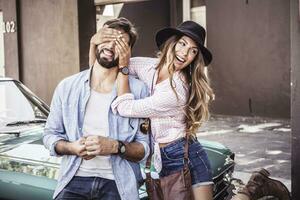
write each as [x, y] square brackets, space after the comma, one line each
[164, 34]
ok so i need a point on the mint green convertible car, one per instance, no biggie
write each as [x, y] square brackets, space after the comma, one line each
[28, 172]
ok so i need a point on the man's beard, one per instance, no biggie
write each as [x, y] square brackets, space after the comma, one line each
[104, 62]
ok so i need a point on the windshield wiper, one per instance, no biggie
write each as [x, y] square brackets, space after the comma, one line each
[16, 133]
[36, 121]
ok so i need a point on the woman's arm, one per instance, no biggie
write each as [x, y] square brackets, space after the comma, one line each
[92, 54]
[122, 84]
[141, 67]
[124, 52]
[162, 103]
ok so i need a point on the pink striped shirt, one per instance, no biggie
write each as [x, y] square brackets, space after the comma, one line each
[162, 107]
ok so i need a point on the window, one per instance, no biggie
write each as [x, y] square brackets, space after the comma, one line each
[198, 14]
[107, 12]
[195, 10]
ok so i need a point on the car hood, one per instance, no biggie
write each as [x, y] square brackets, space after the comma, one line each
[26, 153]
[221, 158]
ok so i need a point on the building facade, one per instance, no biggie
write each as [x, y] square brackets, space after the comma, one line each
[47, 40]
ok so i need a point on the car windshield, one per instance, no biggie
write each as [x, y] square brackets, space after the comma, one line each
[14, 106]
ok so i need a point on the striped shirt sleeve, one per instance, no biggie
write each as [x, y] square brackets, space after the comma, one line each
[162, 103]
[141, 66]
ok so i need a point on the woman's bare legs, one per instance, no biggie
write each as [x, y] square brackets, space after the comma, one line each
[203, 192]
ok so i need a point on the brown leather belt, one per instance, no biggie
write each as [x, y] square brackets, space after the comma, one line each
[164, 144]
[161, 145]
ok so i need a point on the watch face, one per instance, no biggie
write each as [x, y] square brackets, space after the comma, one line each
[123, 149]
[125, 70]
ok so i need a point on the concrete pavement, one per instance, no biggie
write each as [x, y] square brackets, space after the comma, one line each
[258, 142]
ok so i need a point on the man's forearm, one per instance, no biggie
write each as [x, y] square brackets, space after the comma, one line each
[64, 147]
[134, 152]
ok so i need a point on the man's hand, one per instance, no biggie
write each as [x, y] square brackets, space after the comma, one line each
[104, 35]
[78, 148]
[124, 51]
[98, 145]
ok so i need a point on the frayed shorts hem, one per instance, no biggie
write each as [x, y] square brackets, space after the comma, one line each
[202, 184]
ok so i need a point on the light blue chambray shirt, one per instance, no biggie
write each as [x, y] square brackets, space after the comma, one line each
[65, 122]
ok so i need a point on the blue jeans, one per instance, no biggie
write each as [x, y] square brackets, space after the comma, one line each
[173, 161]
[90, 188]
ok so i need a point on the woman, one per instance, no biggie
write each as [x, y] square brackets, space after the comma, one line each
[180, 94]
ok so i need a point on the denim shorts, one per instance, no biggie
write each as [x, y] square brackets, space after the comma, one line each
[172, 157]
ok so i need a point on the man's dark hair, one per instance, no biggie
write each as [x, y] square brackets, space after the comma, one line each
[124, 24]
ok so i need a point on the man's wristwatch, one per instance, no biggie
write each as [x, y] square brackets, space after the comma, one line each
[124, 70]
[121, 148]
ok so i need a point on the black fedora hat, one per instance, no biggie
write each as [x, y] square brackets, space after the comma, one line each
[190, 29]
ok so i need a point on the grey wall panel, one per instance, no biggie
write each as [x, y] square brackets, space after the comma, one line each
[250, 42]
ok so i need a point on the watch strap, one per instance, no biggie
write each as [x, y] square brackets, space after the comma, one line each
[124, 70]
[121, 148]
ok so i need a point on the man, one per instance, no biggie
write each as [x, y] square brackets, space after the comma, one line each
[100, 149]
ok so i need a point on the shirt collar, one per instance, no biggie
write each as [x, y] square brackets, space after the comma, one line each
[88, 75]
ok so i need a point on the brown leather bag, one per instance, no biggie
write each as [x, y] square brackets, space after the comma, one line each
[176, 186]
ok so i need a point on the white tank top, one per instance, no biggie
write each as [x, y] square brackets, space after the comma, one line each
[96, 123]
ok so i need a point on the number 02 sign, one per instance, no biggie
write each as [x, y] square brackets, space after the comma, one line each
[9, 27]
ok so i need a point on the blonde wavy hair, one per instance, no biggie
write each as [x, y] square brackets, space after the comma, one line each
[200, 92]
